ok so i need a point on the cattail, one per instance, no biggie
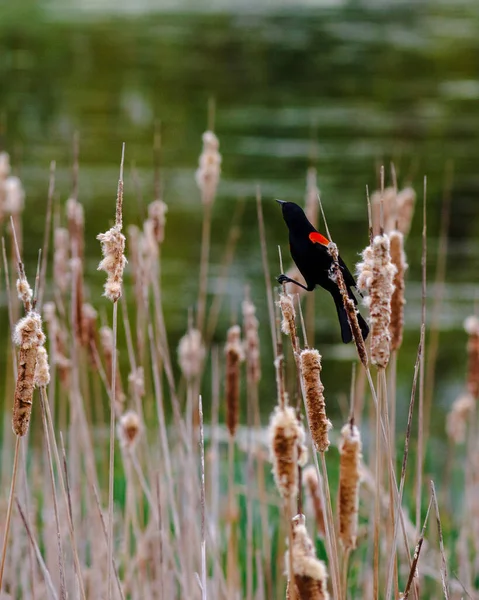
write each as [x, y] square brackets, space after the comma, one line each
[89, 317]
[458, 417]
[384, 202]
[234, 357]
[24, 291]
[380, 287]
[349, 304]
[398, 259]
[113, 248]
[286, 436]
[13, 195]
[157, 215]
[106, 340]
[191, 353]
[405, 202]
[209, 169]
[310, 480]
[309, 573]
[319, 424]
[58, 338]
[471, 325]
[76, 225]
[28, 335]
[288, 325]
[114, 261]
[42, 370]
[129, 426]
[136, 381]
[251, 341]
[349, 478]
[61, 242]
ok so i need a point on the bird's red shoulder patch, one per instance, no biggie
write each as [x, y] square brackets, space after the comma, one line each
[317, 238]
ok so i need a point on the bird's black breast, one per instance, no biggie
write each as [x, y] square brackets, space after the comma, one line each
[312, 260]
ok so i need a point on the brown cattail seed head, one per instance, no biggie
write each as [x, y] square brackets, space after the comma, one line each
[191, 353]
[157, 215]
[311, 482]
[28, 335]
[471, 325]
[349, 478]
[398, 259]
[319, 424]
[286, 436]
[114, 261]
[136, 380]
[209, 169]
[42, 370]
[251, 341]
[381, 289]
[129, 426]
[234, 357]
[458, 417]
[309, 573]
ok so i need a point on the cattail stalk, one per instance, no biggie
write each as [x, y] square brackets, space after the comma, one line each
[349, 479]
[113, 263]
[311, 481]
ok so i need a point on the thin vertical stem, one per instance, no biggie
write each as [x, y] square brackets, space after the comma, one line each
[9, 509]
[112, 451]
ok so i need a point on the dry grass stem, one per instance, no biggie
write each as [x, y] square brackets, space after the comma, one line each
[310, 368]
[350, 447]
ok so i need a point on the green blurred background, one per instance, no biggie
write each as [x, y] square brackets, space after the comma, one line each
[344, 86]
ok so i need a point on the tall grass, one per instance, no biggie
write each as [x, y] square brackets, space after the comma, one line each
[194, 507]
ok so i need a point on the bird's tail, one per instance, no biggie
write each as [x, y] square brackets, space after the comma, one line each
[346, 334]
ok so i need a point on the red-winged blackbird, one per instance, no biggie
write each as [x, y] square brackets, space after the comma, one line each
[309, 250]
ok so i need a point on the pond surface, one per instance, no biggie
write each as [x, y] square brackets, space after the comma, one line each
[343, 86]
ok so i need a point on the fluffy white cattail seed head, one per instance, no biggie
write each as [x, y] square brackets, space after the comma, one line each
[398, 258]
[42, 369]
[191, 353]
[309, 573]
[114, 261]
[209, 169]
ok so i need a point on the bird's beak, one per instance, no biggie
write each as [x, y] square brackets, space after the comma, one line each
[280, 201]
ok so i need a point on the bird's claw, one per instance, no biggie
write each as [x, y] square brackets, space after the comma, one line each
[282, 278]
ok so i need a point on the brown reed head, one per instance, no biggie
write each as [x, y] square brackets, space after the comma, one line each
[377, 275]
[313, 389]
[398, 259]
[309, 573]
[234, 357]
[157, 215]
[28, 335]
[286, 437]
[251, 341]
[350, 447]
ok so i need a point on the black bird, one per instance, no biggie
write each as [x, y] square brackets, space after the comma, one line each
[309, 250]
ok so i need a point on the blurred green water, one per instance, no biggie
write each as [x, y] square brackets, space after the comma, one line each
[344, 86]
